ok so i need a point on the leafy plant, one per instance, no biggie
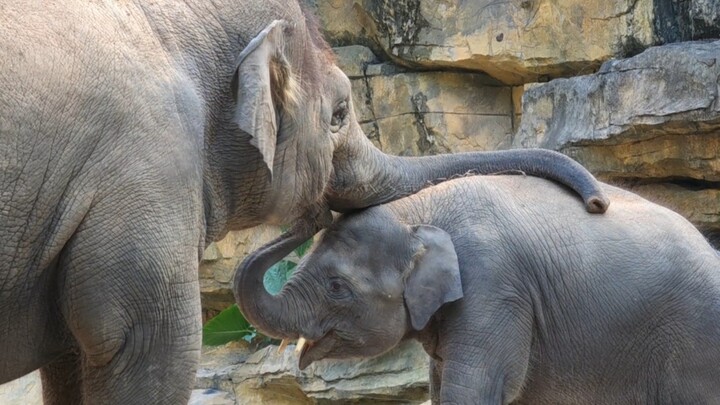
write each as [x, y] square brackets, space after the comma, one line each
[227, 326]
[302, 249]
[280, 272]
[277, 275]
[230, 325]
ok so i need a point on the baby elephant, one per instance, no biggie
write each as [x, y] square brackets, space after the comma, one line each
[517, 294]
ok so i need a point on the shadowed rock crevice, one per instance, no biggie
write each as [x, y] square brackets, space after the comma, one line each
[374, 133]
[686, 20]
[428, 142]
[689, 184]
[399, 21]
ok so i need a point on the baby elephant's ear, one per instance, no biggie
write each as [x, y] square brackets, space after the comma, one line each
[434, 278]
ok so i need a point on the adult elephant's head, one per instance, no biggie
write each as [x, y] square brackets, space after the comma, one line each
[296, 105]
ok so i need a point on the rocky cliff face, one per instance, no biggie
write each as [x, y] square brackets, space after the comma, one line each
[516, 41]
[650, 123]
[267, 377]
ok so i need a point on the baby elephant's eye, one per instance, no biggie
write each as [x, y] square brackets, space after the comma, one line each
[338, 289]
[335, 286]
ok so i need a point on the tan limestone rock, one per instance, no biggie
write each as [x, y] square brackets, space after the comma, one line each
[516, 41]
[651, 123]
[656, 115]
[353, 59]
[339, 21]
[422, 113]
[263, 377]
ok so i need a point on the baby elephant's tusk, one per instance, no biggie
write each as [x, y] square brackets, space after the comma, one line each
[300, 344]
[283, 345]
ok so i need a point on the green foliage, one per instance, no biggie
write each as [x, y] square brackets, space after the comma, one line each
[227, 326]
[230, 325]
[277, 275]
[302, 249]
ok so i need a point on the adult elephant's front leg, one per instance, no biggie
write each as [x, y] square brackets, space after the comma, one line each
[131, 300]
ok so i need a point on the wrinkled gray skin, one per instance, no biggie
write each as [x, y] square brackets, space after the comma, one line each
[517, 294]
[134, 132]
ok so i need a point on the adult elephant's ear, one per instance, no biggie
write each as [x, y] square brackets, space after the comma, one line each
[434, 278]
[263, 83]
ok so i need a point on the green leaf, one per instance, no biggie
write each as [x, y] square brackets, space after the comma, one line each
[277, 275]
[302, 249]
[227, 326]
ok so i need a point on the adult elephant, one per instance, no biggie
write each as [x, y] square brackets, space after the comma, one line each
[134, 132]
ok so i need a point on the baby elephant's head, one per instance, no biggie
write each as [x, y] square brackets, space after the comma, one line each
[367, 282]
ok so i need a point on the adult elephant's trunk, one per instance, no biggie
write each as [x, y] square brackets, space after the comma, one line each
[271, 314]
[365, 176]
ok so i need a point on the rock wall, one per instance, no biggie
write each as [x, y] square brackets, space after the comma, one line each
[268, 377]
[516, 41]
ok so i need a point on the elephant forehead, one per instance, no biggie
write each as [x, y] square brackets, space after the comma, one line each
[338, 84]
[351, 258]
[365, 248]
[373, 278]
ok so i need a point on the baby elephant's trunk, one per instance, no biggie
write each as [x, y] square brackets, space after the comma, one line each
[266, 312]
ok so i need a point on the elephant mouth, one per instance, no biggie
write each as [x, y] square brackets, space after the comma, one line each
[310, 351]
[332, 344]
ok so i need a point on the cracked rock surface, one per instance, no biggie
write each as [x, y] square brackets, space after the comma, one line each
[516, 41]
[513, 41]
[650, 123]
[421, 113]
[266, 377]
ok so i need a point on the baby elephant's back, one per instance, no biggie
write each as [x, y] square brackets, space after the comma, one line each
[540, 209]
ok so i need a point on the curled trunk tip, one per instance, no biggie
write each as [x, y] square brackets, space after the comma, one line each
[266, 312]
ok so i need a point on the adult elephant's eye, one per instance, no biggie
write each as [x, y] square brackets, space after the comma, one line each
[339, 115]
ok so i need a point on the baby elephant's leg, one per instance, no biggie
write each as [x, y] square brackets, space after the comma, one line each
[485, 360]
[435, 381]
